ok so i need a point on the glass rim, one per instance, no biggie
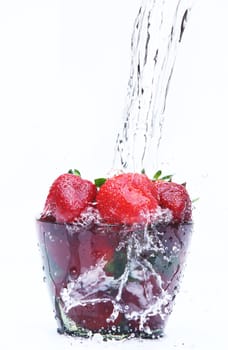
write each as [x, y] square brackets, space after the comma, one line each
[106, 224]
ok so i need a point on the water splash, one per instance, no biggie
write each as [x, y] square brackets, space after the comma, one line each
[158, 31]
[140, 292]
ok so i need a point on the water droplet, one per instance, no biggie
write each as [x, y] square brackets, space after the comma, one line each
[73, 272]
[50, 237]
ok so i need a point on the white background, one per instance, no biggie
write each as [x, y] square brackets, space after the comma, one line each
[64, 67]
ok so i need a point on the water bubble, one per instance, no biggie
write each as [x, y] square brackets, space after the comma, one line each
[50, 237]
[73, 272]
[175, 249]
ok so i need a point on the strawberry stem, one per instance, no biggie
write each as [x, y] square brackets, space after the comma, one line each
[74, 172]
[195, 199]
[167, 177]
[158, 176]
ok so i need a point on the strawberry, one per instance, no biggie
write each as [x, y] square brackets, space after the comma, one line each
[155, 323]
[69, 195]
[127, 199]
[174, 197]
[102, 248]
[94, 316]
[92, 248]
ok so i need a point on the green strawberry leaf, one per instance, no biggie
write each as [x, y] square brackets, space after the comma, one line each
[74, 172]
[158, 176]
[100, 181]
[195, 199]
[167, 177]
[117, 265]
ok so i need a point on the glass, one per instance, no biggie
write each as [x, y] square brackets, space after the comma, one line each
[117, 280]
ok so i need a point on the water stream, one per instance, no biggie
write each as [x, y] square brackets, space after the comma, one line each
[157, 34]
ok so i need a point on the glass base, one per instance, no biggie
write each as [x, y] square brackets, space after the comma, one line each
[68, 327]
[111, 335]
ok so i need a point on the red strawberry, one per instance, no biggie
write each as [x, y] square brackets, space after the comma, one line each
[94, 316]
[127, 199]
[102, 248]
[91, 248]
[155, 323]
[69, 195]
[174, 197]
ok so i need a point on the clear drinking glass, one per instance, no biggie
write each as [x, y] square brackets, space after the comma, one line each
[117, 280]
